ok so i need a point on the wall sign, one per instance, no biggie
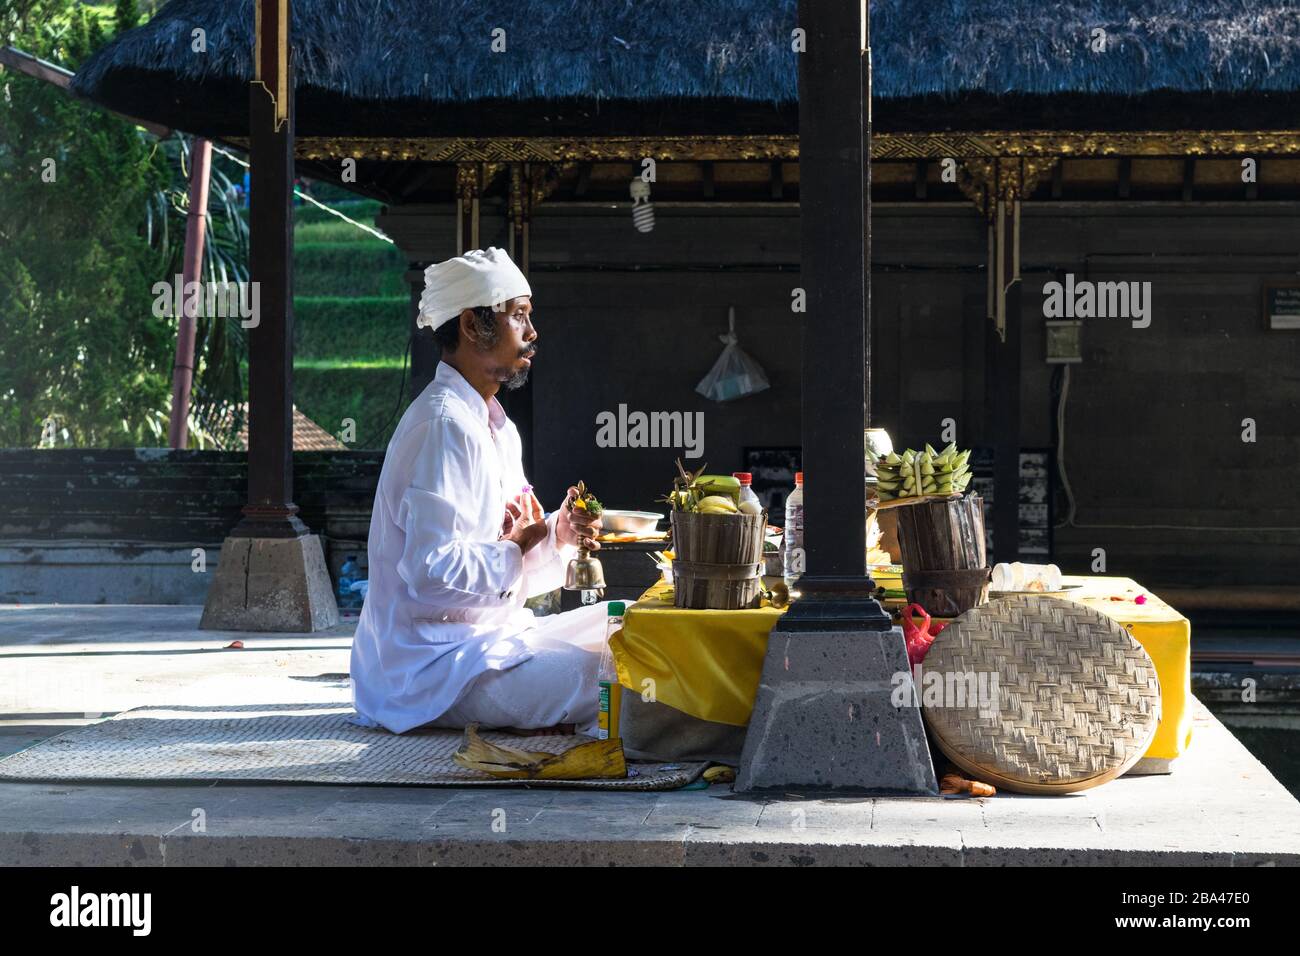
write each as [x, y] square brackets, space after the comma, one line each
[1282, 306]
[1035, 491]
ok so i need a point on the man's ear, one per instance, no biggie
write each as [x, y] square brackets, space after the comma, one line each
[467, 330]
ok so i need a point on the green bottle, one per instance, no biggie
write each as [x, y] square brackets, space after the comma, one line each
[610, 690]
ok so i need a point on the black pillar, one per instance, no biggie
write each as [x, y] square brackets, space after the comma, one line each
[824, 717]
[270, 511]
[835, 271]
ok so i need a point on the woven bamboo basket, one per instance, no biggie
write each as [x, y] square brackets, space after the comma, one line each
[1075, 704]
[718, 560]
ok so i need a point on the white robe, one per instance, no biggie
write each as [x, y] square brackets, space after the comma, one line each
[443, 636]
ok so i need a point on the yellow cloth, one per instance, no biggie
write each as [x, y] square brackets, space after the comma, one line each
[703, 663]
[1167, 637]
[707, 663]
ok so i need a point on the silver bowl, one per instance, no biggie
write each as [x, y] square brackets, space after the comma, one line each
[629, 522]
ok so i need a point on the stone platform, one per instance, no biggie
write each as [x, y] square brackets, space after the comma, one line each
[60, 664]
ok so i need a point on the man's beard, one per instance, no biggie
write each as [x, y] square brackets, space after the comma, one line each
[511, 381]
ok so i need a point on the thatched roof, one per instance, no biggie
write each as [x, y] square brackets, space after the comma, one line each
[376, 67]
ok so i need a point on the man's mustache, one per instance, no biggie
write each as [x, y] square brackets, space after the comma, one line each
[528, 351]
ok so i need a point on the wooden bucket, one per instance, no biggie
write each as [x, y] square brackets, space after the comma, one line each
[945, 567]
[718, 560]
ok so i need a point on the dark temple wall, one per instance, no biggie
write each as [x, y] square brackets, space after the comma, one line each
[1162, 479]
[626, 318]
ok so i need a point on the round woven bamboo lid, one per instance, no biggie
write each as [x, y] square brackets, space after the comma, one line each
[1076, 700]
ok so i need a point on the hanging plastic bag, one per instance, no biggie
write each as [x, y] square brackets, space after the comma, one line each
[734, 375]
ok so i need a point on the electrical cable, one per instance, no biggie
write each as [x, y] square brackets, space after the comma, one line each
[401, 385]
[1060, 449]
[311, 199]
[1069, 491]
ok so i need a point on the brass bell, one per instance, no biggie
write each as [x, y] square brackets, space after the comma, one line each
[584, 573]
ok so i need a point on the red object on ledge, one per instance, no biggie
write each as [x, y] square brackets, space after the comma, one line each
[918, 638]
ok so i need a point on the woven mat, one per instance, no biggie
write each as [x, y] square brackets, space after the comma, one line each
[1077, 699]
[289, 743]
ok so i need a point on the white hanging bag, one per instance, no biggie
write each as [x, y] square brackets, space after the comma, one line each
[734, 375]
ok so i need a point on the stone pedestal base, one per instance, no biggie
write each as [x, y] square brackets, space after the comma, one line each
[271, 584]
[823, 718]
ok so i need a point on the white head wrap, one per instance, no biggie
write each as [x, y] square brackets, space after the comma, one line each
[479, 277]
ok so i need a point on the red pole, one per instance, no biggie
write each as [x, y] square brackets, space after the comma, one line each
[195, 233]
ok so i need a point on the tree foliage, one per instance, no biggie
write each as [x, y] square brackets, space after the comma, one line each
[83, 359]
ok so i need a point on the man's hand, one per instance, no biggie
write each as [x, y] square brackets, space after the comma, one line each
[576, 527]
[522, 503]
[525, 522]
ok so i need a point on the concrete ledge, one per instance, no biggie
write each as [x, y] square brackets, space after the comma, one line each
[100, 572]
[1220, 808]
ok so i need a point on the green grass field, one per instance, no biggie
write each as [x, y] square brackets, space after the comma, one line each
[351, 307]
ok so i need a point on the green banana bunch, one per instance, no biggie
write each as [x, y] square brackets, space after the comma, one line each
[724, 485]
[692, 488]
[927, 472]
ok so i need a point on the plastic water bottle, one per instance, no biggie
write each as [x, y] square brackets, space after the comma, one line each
[610, 690]
[347, 574]
[792, 553]
[746, 480]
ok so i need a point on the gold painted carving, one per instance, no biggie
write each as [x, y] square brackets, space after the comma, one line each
[1085, 144]
[547, 149]
[517, 196]
[885, 146]
[543, 179]
[473, 179]
[985, 182]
